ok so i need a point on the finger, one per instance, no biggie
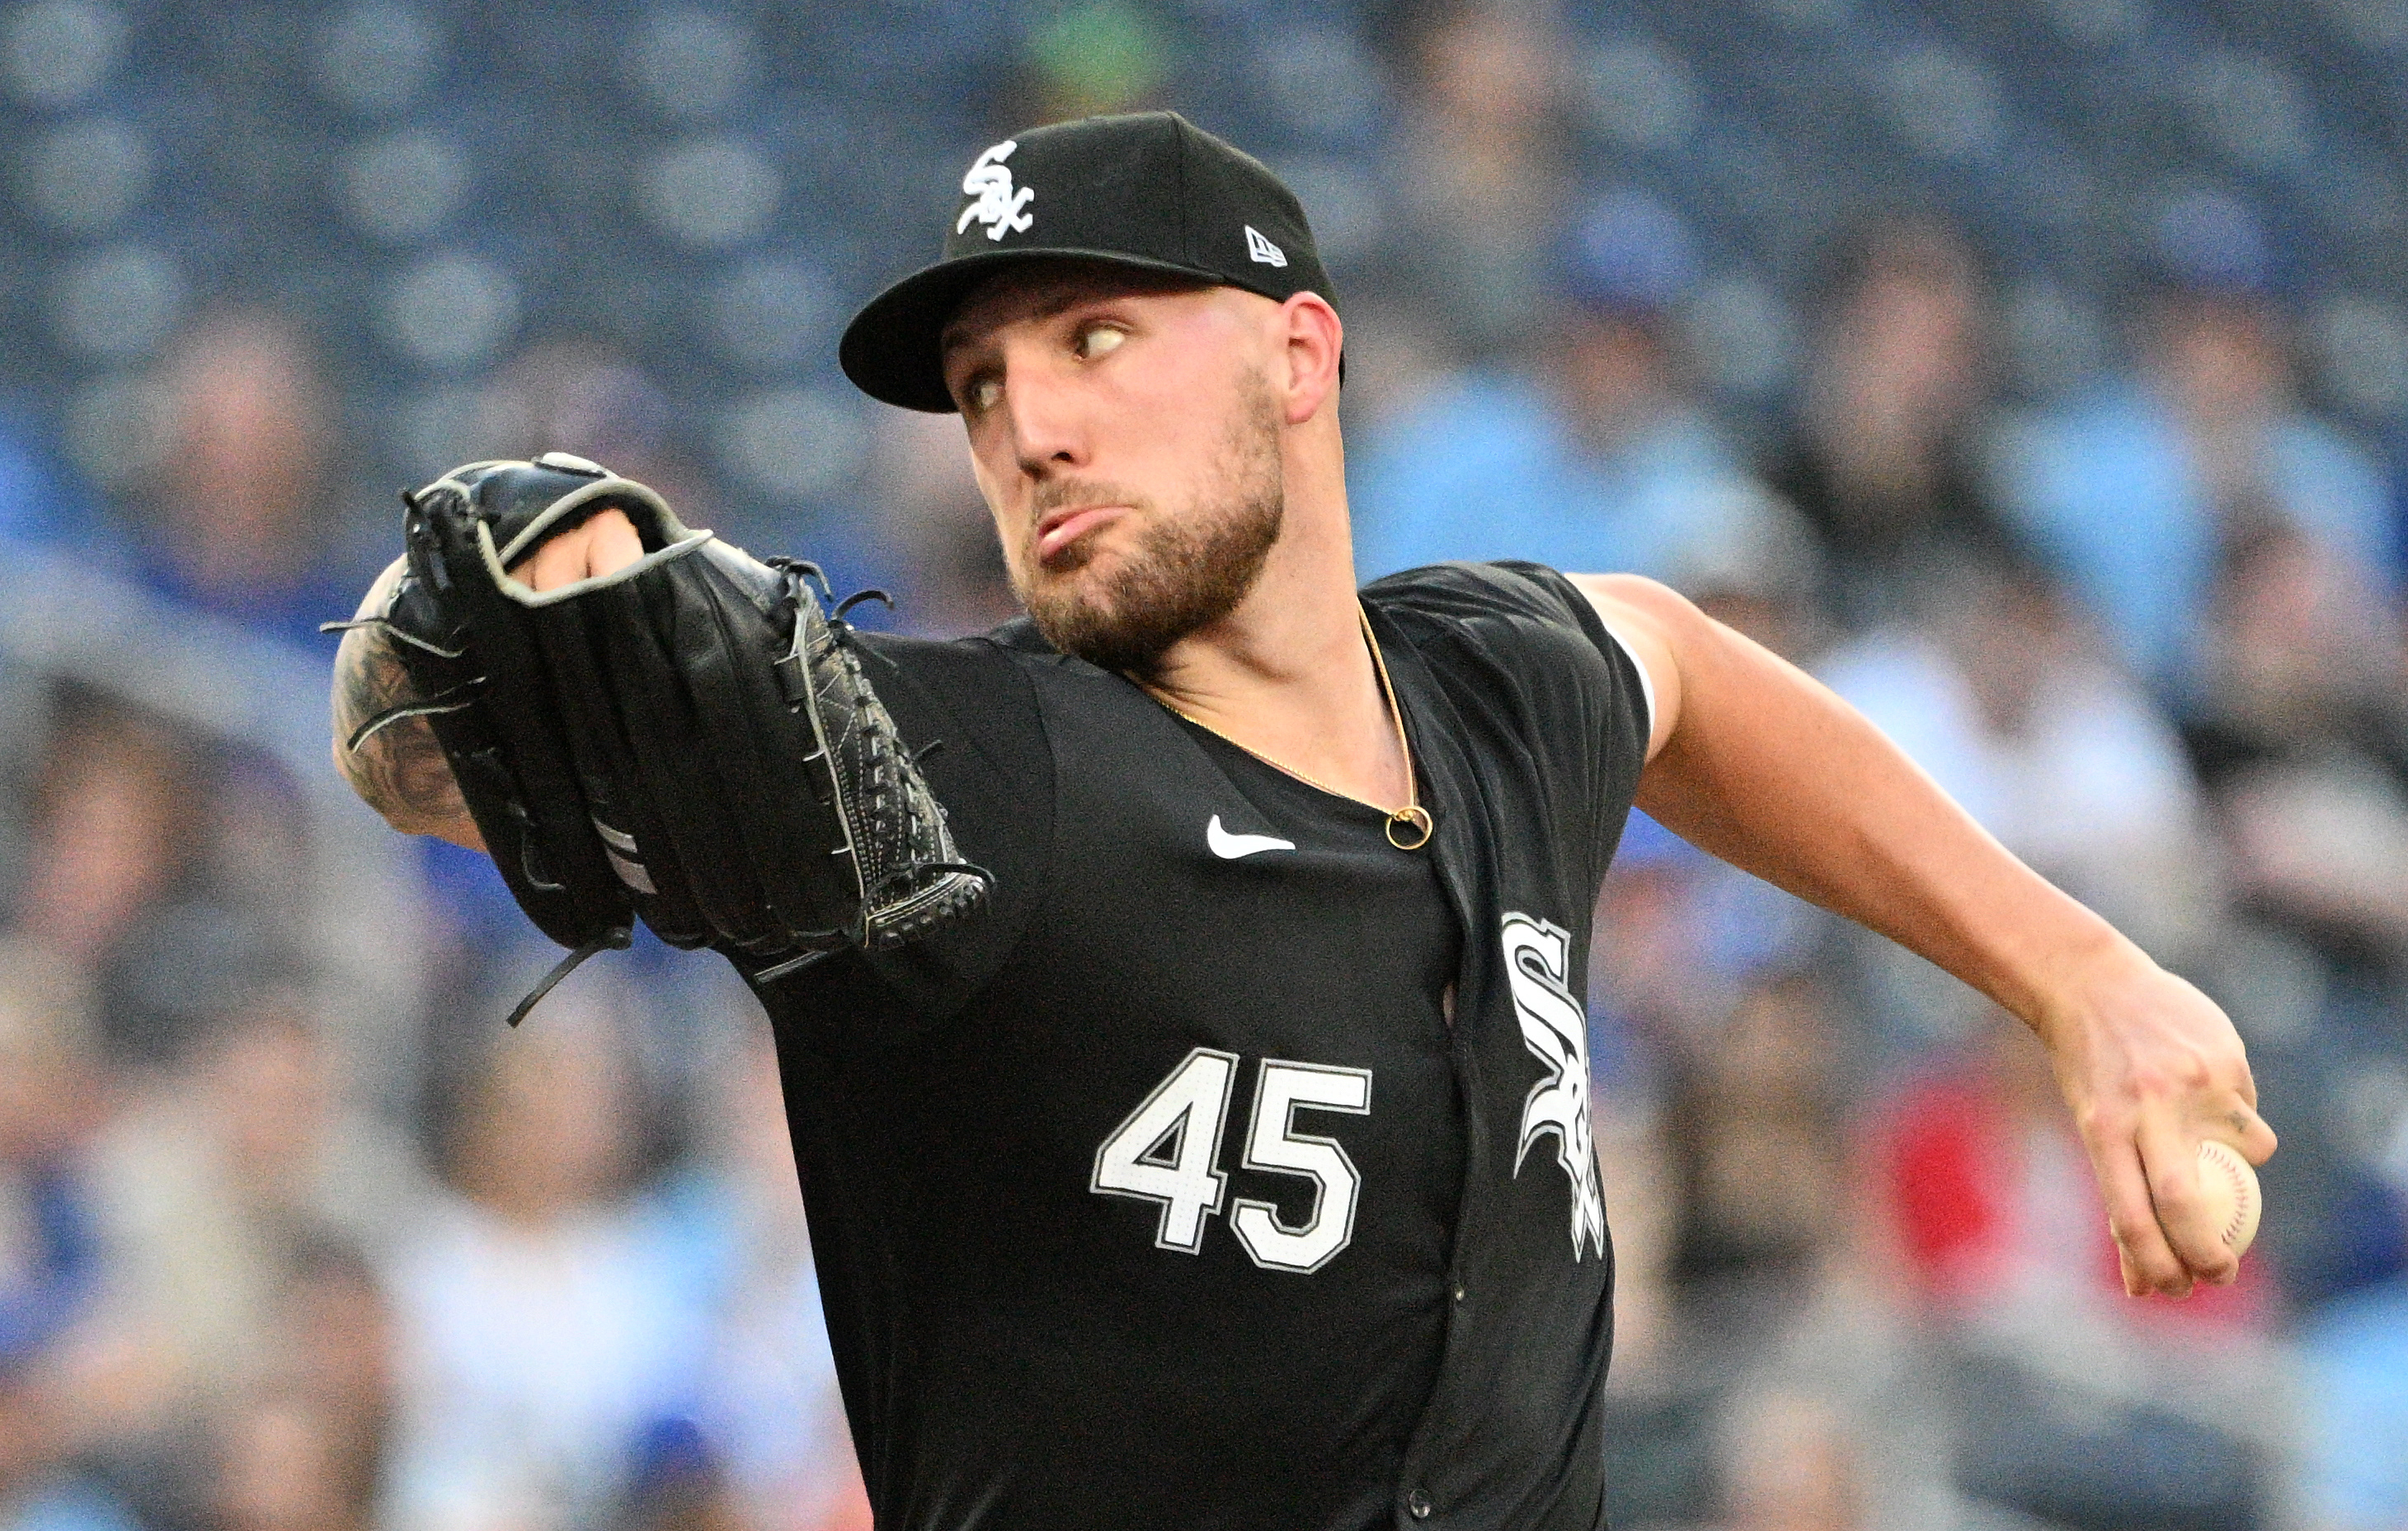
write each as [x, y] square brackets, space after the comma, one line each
[2245, 1130]
[2150, 1263]
[560, 561]
[611, 544]
[2170, 1156]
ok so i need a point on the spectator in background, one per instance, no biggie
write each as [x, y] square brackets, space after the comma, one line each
[1805, 1397]
[2302, 729]
[1482, 170]
[1754, 1122]
[1601, 461]
[1682, 940]
[1724, 1077]
[547, 1317]
[163, 868]
[110, 834]
[236, 517]
[1881, 464]
[303, 1448]
[278, 1471]
[54, 1265]
[2135, 492]
[223, 1184]
[1999, 693]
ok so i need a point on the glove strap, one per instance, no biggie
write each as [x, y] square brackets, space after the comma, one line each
[617, 938]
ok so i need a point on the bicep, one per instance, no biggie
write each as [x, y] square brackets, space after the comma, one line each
[1641, 615]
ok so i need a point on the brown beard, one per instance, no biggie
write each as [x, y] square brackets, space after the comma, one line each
[1189, 569]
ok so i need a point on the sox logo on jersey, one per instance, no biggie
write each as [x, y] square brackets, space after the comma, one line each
[1554, 1027]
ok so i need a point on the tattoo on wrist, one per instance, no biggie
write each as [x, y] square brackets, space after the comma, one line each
[399, 771]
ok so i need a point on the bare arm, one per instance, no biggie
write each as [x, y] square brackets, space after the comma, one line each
[1755, 760]
[399, 771]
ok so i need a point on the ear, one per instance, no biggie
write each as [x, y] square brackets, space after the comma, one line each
[1313, 339]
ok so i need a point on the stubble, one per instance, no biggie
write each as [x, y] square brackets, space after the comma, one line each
[1188, 570]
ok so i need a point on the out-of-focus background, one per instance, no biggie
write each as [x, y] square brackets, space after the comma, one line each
[2033, 372]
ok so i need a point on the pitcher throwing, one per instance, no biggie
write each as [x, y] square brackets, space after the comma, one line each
[1225, 1161]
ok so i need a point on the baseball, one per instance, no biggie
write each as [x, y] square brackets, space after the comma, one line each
[2229, 1188]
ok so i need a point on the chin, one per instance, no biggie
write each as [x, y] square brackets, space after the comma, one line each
[1084, 565]
[1074, 598]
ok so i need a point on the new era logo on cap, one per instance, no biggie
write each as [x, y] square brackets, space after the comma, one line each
[1261, 250]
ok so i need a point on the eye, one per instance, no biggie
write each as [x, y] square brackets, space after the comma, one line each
[1099, 340]
[984, 392]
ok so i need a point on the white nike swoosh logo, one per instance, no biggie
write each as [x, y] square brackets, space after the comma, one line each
[1230, 847]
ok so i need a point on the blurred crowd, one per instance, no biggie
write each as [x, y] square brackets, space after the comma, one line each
[2142, 616]
[248, 1279]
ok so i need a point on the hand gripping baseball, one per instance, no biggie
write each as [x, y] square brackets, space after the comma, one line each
[684, 736]
[2153, 1069]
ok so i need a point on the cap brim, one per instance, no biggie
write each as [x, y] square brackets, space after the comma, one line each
[892, 350]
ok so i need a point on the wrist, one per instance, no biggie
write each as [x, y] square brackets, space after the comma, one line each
[2076, 980]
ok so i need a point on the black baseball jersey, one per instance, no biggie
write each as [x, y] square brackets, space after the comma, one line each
[1233, 1169]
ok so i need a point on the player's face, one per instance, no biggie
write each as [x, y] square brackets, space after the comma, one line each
[1127, 440]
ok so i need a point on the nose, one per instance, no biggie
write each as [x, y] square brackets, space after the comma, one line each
[1048, 427]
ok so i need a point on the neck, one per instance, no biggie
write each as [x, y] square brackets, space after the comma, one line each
[1286, 675]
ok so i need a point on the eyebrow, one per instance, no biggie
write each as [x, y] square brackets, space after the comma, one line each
[1052, 308]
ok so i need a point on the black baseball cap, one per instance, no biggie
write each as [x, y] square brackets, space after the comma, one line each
[1150, 191]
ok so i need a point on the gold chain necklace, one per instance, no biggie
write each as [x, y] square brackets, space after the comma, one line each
[1413, 818]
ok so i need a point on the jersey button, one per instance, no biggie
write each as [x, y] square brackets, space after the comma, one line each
[1419, 1503]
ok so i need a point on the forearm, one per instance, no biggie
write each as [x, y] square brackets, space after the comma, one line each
[1756, 761]
[399, 771]
[1767, 769]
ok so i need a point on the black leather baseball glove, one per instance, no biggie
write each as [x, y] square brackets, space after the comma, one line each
[691, 739]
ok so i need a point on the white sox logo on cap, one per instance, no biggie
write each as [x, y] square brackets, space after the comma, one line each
[999, 207]
[1149, 190]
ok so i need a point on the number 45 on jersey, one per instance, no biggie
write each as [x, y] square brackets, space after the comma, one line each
[1169, 1151]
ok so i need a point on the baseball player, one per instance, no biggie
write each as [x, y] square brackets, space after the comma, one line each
[1228, 1163]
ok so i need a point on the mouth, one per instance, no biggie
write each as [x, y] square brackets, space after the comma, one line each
[1058, 529]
